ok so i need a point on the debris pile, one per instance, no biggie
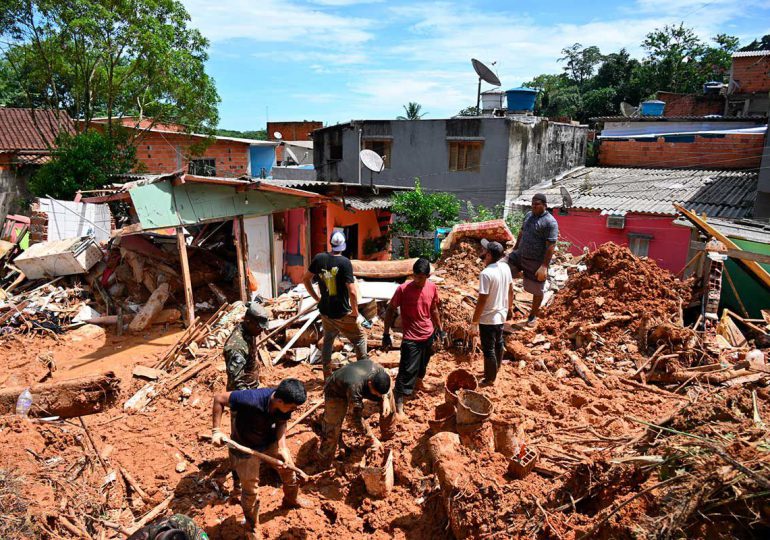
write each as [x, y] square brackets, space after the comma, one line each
[49, 308]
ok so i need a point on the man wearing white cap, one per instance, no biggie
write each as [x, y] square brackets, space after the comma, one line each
[338, 302]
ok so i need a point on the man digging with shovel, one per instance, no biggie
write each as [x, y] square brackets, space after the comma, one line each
[260, 426]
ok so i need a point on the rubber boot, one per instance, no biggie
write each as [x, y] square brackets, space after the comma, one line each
[292, 498]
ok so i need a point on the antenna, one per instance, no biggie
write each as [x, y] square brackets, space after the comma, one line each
[485, 74]
[372, 161]
[566, 198]
[628, 110]
[278, 135]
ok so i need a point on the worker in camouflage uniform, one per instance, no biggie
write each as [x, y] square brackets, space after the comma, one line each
[176, 527]
[240, 353]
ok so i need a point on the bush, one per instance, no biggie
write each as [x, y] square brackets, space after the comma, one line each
[84, 162]
[480, 212]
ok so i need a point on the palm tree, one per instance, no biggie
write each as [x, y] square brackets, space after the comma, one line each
[412, 111]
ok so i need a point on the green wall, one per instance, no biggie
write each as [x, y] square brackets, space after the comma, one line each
[753, 294]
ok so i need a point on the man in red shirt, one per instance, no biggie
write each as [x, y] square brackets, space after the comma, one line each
[419, 301]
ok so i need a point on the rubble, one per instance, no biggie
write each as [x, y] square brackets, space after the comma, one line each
[621, 445]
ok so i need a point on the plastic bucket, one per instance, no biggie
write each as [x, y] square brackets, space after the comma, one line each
[378, 477]
[445, 419]
[459, 379]
[472, 408]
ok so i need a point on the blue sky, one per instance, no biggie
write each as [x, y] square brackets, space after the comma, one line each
[335, 60]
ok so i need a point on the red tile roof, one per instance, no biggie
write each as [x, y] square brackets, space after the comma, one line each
[31, 129]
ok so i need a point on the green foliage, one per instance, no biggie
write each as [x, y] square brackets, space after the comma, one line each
[593, 84]
[472, 110]
[257, 135]
[413, 112]
[761, 44]
[118, 58]
[419, 212]
[84, 162]
[11, 92]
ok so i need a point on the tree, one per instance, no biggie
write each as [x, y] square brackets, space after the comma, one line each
[716, 61]
[761, 44]
[83, 162]
[419, 214]
[412, 111]
[11, 92]
[672, 60]
[471, 110]
[581, 62]
[119, 58]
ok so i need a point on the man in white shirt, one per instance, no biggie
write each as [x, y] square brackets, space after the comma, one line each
[492, 308]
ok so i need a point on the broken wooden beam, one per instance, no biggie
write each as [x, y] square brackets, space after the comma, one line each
[68, 398]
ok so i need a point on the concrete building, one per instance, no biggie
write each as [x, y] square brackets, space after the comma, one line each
[485, 160]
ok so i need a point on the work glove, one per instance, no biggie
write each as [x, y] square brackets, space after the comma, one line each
[387, 343]
[441, 336]
[217, 437]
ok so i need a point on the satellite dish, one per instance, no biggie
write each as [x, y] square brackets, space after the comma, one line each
[292, 155]
[566, 198]
[278, 135]
[372, 160]
[485, 74]
[628, 110]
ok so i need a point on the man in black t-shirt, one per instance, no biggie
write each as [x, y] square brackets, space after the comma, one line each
[338, 302]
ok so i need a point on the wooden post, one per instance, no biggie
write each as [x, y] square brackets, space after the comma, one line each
[188, 294]
[240, 255]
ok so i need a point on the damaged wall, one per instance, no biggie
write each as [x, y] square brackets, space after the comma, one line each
[541, 150]
[14, 193]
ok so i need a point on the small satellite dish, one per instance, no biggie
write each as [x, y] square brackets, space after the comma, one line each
[566, 198]
[291, 153]
[372, 160]
[484, 73]
[278, 135]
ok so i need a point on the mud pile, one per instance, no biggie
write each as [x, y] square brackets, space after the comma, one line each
[461, 263]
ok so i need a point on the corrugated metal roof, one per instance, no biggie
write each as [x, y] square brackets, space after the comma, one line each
[32, 129]
[321, 183]
[708, 118]
[372, 202]
[727, 194]
[742, 54]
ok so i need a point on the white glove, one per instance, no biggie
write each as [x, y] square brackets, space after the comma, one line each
[217, 437]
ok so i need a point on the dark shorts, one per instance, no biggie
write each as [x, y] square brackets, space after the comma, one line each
[529, 268]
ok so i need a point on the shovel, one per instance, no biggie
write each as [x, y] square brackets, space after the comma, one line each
[264, 457]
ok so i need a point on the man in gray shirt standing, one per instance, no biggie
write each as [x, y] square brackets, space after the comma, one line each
[533, 252]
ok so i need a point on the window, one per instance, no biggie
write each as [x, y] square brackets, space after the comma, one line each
[465, 156]
[639, 244]
[202, 167]
[381, 148]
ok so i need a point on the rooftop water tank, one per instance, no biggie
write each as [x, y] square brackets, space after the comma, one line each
[521, 99]
[652, 107]
[492, 99]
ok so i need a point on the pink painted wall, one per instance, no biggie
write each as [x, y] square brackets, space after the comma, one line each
[668, 247]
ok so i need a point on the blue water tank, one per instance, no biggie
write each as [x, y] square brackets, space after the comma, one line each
[521, 99]
[653, 107]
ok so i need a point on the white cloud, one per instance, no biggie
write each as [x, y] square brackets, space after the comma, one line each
[338, 3]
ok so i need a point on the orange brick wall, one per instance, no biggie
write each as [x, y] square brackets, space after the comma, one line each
[162, 153]
[752, 73]
[691, 104]
[293, 131]
[728, 152]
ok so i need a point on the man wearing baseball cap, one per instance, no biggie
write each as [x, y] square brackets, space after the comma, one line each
[533, 251]
[338, 301]
[494, 302]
